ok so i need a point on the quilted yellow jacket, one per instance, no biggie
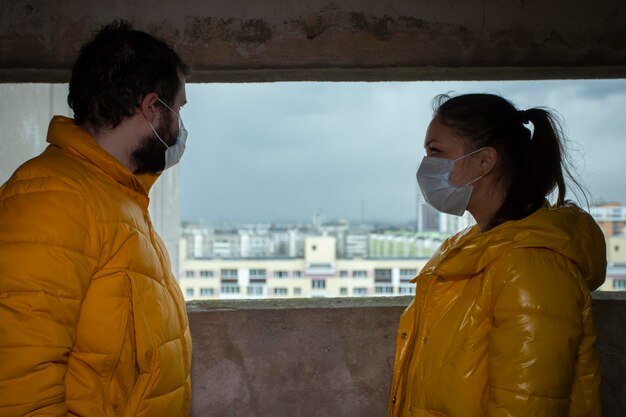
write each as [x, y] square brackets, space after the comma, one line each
[92, 322]
[501, 323]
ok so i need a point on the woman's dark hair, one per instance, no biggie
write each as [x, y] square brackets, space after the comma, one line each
[531, 163]
[116, 70]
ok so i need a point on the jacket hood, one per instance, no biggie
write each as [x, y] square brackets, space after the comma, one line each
[63, 133]
[567, 230]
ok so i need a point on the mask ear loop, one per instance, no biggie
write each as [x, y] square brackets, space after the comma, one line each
[169, 108]
[465, 156]
[471, 153]
[473, 181]
[157, 135]
[181, 125]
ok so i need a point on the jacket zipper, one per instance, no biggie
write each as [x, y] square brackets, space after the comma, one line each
[413, 351]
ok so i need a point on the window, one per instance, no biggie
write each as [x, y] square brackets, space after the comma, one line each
[281, 274]
[619, 284]
[255, 290]
[384, 289]
[206, 274]
[297, 291]
[258, 276]
[343, 274]
[407, 274]
[319, 284]
[212, 242]
[229, 274]
[382, 275]
[189, 292]
[343, 291]
[230, 289]
[280, 291]
[359, 291]
[320, 266]
[258, 273]
[405, 290]
[206, 292]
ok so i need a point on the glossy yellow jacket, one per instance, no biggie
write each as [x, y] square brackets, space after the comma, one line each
[92, 322]
[501, 323]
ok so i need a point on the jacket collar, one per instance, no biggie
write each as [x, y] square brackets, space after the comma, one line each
[566, 230]
[66, 135]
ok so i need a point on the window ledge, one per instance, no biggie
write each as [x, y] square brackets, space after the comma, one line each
[298, 303]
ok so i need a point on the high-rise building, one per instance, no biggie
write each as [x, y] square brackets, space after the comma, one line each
[426, 217]
[429, 219]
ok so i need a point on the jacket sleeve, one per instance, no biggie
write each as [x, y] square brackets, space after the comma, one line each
[538, 299]
[44, 273]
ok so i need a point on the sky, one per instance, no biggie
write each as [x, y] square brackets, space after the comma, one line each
[279, 152]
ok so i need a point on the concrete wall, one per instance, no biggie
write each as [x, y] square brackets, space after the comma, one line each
[241, 40]
[331, 357]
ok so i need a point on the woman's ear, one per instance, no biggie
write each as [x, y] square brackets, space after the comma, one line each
[149, 107]
[488, 157]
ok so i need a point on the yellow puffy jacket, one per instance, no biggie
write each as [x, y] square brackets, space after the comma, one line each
[92, 321]
[501, 323]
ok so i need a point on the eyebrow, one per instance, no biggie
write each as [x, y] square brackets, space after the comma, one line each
[430, 142]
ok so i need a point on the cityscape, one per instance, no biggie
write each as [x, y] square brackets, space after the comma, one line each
[338, 259]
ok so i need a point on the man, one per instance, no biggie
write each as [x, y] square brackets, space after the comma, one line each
[92, 322]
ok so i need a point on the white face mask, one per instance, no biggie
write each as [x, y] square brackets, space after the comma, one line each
[173, 153]
[433, 178]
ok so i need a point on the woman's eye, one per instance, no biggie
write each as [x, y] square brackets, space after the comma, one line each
[432, 151]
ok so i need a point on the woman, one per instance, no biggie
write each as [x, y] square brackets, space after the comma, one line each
[501, 321]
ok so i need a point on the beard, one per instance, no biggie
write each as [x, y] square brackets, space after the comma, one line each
[149, 157]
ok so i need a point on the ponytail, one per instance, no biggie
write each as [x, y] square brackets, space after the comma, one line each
[545, 162]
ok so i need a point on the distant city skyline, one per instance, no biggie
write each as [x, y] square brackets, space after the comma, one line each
[278, 152]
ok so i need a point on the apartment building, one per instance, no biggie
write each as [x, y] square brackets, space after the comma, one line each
[318, 274]
[616, 264]
[611, 217]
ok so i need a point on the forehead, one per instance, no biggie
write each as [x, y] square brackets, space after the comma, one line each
[440, 134]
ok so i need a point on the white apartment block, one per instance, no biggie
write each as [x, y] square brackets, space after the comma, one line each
[407, 245]
[357, 245]
[318, 274]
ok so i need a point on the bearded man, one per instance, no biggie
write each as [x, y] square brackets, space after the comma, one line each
[92, 321]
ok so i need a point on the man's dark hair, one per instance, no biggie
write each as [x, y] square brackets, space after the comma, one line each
[116, 70]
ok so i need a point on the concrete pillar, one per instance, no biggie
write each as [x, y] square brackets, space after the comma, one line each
[25, 112]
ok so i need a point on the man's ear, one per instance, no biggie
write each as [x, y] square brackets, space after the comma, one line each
[149, 107]
[488, 160]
